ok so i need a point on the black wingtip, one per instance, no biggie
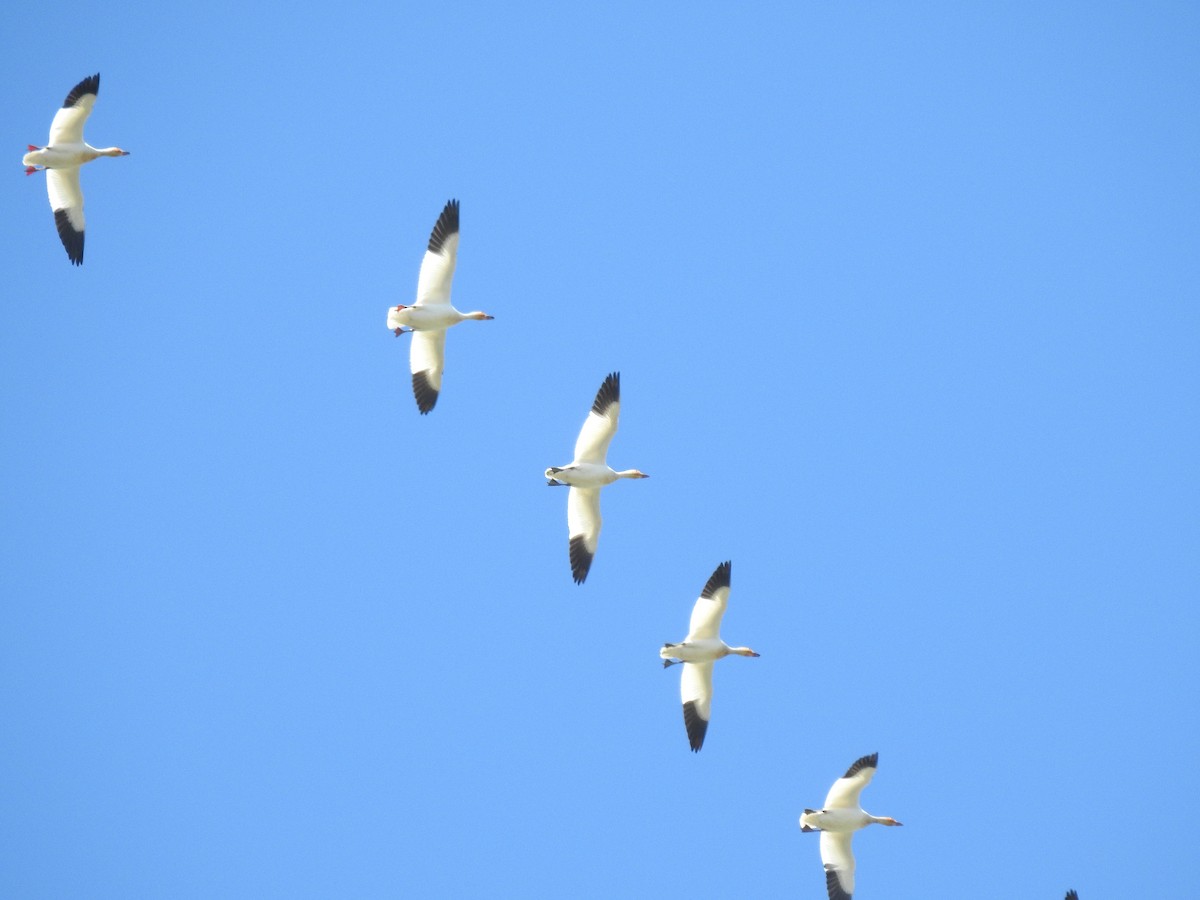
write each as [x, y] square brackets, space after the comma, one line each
[833, 885]
[609, 393]
[866, 762]
[719, 579]
[89, 85]
[71, 239]
[581, 560]
[696, 726]
[447, 224]
[1071, 895]
[424, 392]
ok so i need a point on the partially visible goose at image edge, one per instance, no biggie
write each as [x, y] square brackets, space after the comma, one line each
[431, 314]
[838, 820]
[61, 158]
[699, 650]
[588, 473]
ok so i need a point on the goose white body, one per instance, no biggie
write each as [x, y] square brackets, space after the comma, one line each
[837, 821]
[61, 158]
[431, 313]
[699, 650]
[587, 474]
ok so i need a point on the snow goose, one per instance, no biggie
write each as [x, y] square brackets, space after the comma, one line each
[61, 159]
[700, 649]
[837, 822]
[431, 314]
[589, 472]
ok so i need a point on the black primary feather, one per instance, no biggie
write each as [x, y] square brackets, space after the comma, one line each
[89, 85]
[719, 579]
[609, 393]
[424, 392]
[447, 224]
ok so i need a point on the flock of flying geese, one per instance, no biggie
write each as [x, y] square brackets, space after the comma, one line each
[427, 320]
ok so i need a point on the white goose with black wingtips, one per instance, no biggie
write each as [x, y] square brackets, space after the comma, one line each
[838, 820]
[699, 650]
[588, 473]
[61, 158]
[431, 313]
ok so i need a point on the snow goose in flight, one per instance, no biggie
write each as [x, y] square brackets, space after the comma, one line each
[589, 472]
[837, 822]
[700, 649]
[431, 314]
[61, 159]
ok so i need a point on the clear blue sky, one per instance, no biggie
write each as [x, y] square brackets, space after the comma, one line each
[904, 302]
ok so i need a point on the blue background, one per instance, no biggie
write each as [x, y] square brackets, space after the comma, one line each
[904, 300]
